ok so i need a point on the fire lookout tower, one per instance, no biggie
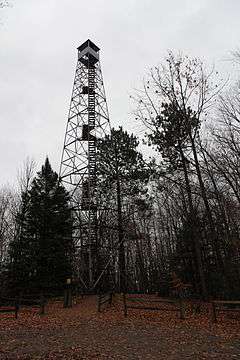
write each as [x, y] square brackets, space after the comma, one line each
[88, 121]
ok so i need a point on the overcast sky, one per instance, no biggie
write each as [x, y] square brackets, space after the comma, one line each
[38, 58]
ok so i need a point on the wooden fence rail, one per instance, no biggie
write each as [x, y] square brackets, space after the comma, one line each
[8, 305]
[141, 303]
[224, 305]
[34, 302]
[102, 299]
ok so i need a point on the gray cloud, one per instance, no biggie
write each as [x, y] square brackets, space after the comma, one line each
[38, 58]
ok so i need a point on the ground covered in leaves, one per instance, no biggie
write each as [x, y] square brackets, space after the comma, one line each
[82, 333]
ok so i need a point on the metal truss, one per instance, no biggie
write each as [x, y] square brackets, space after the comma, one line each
[88, 121]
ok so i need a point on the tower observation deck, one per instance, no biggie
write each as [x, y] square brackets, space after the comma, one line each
[88, 121]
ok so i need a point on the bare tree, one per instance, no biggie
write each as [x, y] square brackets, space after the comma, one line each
[236, 56]
[7, 221]
[25, 177]
[173, 104]
[12, 206]
[4, 3]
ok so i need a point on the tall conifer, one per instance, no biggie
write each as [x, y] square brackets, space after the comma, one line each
[41, 253]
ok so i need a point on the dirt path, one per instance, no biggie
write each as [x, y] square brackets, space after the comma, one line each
[81, 333]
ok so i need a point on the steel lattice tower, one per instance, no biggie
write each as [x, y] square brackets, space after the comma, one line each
[88, 120]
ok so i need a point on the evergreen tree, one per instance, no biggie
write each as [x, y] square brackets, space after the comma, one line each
[119, 161]
[124, 175]
[41, 253]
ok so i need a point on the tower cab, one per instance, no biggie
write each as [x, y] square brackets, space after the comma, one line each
[88, 53]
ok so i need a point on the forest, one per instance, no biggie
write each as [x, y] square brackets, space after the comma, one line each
[175, 214]
[120, 200]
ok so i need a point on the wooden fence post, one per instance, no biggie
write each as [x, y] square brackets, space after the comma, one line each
[98, 303]
[214, 313]
[110, 299]
[124, 305]
[68, 294]
[42, 305]
[16, 309]
[181, 306]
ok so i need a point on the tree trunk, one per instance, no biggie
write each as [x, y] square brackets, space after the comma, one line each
[195, 234]
[207, 207]
[121, 254]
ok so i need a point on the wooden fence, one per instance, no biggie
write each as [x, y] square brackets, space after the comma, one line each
[143, 303]
[9, 305]
[224, 305]
[38, 301]
[103, 299]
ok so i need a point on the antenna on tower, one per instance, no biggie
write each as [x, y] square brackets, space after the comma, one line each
[88, 121]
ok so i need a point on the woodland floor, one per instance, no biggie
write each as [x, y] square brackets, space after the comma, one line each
[82, 333]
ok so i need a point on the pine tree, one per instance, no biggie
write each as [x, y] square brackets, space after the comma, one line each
[124, 175]
[41, 254]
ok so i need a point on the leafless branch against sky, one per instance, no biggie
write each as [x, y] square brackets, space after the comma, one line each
[38, 57]
[4, 3]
